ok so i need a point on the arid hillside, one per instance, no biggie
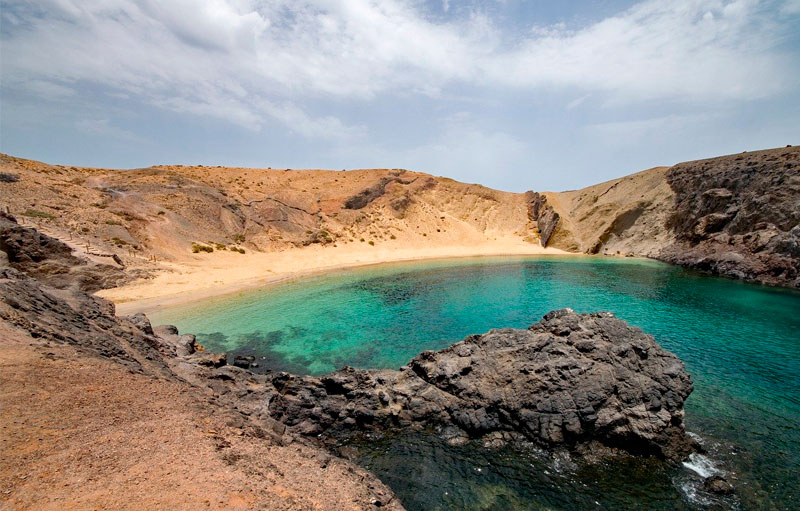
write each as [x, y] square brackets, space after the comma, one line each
[625, 216]
[166, 211]
[736, 215]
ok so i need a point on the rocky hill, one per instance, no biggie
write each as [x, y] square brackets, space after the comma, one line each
[736, 216]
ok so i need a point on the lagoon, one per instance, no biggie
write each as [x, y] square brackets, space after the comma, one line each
[740, 342]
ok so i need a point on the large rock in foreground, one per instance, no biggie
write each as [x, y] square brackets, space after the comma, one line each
[570, 380]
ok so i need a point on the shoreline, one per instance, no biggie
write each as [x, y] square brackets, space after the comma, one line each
[225, 273]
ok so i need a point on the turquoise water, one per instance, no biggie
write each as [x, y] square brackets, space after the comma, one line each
[740, 342]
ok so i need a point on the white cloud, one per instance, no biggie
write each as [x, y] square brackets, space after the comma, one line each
[253, 62]
[625, 132]
[575, 103]
[464, 148]
[104, 128]
[659, 50]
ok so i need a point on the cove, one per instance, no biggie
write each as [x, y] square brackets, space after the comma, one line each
[740, 342]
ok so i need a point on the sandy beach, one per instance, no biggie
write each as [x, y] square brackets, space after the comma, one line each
[207, 275]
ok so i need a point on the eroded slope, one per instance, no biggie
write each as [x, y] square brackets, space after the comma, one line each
[162, 211]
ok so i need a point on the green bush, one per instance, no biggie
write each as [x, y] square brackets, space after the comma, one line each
[197, 248]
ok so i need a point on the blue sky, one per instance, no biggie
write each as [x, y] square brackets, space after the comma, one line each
[513, 94]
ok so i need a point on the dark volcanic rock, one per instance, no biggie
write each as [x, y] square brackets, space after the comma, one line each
[366, 196]
[739, 216]
[543, 214]
[570, 380]
[719, 485]
[71, 316]
[51, 261]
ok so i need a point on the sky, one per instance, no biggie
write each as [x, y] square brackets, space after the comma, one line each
[512, 94]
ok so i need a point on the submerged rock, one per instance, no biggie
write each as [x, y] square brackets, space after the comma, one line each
[719, 485]
[569, 380]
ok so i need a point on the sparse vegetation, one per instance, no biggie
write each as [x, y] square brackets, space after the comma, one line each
[35, 213]
[238, 238]
[220, 246]
[237, 249]
[372, 243]
[162, 212]
[197, 248]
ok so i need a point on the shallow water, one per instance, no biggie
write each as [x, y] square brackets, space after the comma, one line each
[740, 342]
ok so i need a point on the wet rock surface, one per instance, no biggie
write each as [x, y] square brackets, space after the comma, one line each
[738, 216]
[570, 380]
[718, 485]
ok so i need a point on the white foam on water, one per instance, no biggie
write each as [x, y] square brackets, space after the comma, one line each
[690, 491]
[701, 465]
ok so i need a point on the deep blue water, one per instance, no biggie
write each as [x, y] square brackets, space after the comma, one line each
[740, 342]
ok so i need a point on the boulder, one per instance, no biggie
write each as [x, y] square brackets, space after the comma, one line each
[719, 485]
[569, 380]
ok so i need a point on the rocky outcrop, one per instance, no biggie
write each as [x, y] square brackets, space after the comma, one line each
[368, 195]
[570, 380]
[51, 260]
[543, 214]
[738, 216]
[73, 317]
